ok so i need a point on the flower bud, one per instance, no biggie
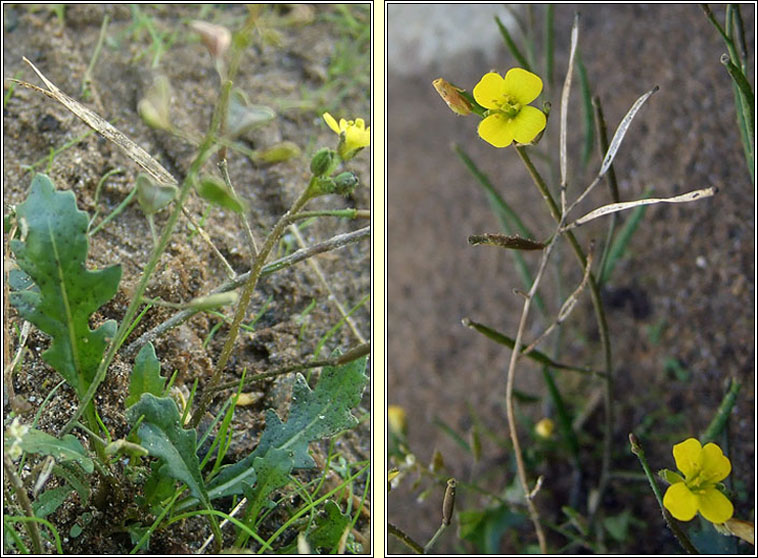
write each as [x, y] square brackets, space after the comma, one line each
[544, 428]
[452, 96]
[155, 107]
[215, 37]
[345, 183]
[323, 162]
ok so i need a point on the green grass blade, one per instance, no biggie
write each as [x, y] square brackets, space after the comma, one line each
[512, 45]
[549, 44]
[722, 414]
[564, 419]
[535, 355]
[447, 429]
[588, 112]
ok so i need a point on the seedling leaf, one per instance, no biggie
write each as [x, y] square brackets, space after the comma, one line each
[68, 448]
[162, 436]
[50, 500]
[215, 191]
[52, 251]
[146, 376]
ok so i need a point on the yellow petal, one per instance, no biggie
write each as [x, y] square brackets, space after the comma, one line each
[343, 124]
[490, 90]
[356, 137]
[715, 465]
[687, 457]
[714, 506]
[680, 501]
[331, 122]
[529, 122]
[524, 86]
[497, 130]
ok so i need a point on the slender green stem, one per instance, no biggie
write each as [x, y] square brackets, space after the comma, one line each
[405, 538]
[244, 301]
[428, 546]
[600, 317]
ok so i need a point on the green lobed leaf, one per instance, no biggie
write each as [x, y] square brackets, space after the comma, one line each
[146, 375]
[314, 414]
[52, 251]
[272, 472]
[329, 528]
[68, 448]
[162, 435]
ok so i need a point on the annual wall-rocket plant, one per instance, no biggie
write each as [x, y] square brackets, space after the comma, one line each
[176, 469]
[506, 117]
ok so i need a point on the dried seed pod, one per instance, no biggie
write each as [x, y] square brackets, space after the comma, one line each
[448, 504]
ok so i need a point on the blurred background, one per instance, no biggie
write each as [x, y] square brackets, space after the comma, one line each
[680, 303]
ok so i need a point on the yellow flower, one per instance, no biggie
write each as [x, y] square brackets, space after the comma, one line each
[703, 469]
[397, 419]
[509, 118]
[354, 135]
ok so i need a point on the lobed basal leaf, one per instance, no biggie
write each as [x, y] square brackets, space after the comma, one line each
[52, 252]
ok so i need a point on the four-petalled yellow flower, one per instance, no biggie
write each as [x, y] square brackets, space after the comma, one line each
[354, 135]
[703, 468]
[507, 98]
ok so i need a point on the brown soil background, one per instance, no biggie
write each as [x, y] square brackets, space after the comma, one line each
[689, 269]
[291, 76]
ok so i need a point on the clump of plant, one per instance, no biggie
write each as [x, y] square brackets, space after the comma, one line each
[176, 469]
[508, 119]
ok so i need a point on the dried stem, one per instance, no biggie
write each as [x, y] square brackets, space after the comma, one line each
[18, 487]
[333, 243]
[602, 323]
[245, 296]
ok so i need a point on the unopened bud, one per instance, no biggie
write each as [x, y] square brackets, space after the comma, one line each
[215, 37]
[323, 162]
[345, 183]
[452, 96]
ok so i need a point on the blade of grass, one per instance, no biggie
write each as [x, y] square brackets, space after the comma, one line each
[535, 355]
[549, 44]
[447, 429]
[520, 58]
[589, 128]
[722, 414]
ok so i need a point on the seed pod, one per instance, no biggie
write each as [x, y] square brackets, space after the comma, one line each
[448, 504]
